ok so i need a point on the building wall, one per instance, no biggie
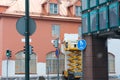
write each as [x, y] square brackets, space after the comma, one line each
[11, 68]
[1, 43]
[95, 58]
[41, 69]
[113, 47]
[11, 38]
[0, 33]
[40, 40]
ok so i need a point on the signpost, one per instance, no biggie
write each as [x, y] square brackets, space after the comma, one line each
[26, 27]
[56, 45]
[27, 76]
[57, 52]
[8, 55]
[57, 55]
[82, 44]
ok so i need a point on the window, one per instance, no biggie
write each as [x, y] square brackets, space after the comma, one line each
[85, 23]
[51, 63]
[85, 4]
[103, 18]
[111, 63]
[20, 63]
[93, 3]
[78, 11]
[94, 21]
[55, 31]
[79, 32]
[114, 14]
[53, 8]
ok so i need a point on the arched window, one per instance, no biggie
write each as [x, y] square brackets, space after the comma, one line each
[51, 63]
[111, 63]
[20, 63]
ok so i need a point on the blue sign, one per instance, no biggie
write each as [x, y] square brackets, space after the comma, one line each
[57, 53]
[82, 44]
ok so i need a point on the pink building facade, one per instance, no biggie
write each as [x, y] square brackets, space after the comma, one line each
[41, 40]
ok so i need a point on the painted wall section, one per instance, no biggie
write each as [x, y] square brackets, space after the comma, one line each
[1, 43]
[11, 38]
[41, 39]
[11, 68]
[41, 69]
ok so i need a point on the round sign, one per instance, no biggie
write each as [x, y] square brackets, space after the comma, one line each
[57, 53]
[20, 26]
[82, 44]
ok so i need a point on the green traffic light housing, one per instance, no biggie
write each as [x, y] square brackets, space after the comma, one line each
[8, 53]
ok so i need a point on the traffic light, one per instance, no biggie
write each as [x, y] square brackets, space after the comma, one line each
[56, 43]
[8, 53]
[30, 49]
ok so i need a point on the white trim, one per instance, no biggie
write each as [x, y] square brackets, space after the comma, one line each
[23, 40]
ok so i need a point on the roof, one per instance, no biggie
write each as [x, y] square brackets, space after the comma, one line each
[18, 6]
[7, 2]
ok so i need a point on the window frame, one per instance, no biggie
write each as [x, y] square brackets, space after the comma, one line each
[78, 11]
[111, 63]
[51, 63]
[56, 30]
[113, 6]
[53, 9]
[85, 4]
[85, 23]
[20, 57]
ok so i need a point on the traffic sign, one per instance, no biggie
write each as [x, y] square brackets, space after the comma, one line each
[20, 26]
[57, 52]
[82, 44]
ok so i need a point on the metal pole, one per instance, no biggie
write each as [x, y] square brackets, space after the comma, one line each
[7, 70]
[82, 66]
[56, 45]
[27, 40]
[58, 62]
